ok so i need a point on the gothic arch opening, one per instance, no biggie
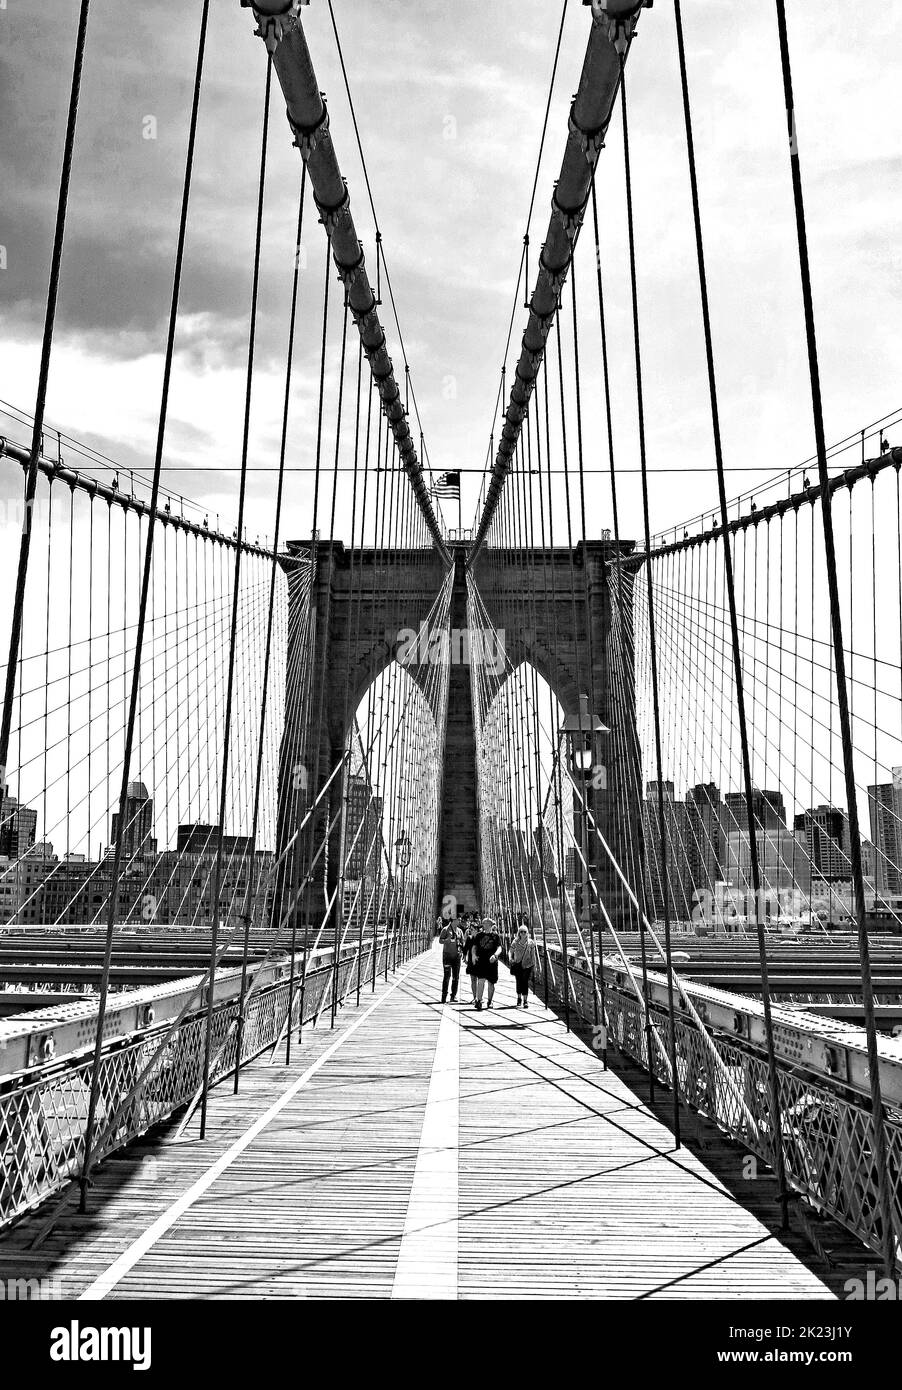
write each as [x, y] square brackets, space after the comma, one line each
[525, 793]
[391, 794]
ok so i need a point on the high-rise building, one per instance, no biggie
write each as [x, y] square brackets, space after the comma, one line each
[187, 876]
[137, 833]
[783, 862]
[203, 840]
[544, 850]
[672, 885]
[9, 890]
[823, 831]
[77, 892]
[24, 902]
[363, 822]
[18, 827]
[706, 846]
[516, 862]
[885, 808]
[767, 807]
[572, 870]
[868, 862]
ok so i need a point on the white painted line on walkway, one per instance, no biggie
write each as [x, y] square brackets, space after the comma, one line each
[427, 1260]
[127, 1261]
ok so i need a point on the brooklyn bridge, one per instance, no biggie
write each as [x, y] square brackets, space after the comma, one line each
[270, 743]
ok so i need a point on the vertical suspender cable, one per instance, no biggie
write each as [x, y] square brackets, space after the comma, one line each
[311, 742]
[31, 478]
[349, 735]
[878, 1130]
[593, 706]
[142, 614]
[336, 910]
[662, 823]
[236, 595]
[292, 319]
[754, 863]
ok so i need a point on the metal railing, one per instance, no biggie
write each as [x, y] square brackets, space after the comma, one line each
[43, 1112]
[826, 1127]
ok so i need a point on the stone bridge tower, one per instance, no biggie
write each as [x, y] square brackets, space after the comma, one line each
[554, 607]
[352, 610]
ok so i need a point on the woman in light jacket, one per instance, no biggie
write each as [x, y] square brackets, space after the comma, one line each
[522, 959]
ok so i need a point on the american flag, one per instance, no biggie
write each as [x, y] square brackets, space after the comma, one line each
[447, 485]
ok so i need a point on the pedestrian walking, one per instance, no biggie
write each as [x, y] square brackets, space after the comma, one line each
[471, 931]
[486, 951]
[522, 957]
[452, 939]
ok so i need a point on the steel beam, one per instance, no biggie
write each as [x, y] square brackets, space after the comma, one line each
[613, 26]
[66, 1028]
[279, 25]
[57, 472]
[810, 494]
[830, 1049]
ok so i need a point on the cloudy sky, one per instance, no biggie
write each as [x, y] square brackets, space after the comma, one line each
[450, 99]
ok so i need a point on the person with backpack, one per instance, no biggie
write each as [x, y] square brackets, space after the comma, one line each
[452, 940]
[522, 959]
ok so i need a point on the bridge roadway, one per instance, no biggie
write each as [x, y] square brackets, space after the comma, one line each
[424, 1152]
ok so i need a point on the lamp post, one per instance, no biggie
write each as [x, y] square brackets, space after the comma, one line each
[582, 730]
[402, 857]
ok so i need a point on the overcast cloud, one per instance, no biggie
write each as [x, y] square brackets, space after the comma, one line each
[450, 99]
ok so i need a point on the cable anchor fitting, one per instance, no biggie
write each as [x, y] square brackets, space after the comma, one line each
[556, 279]
[332, 217]
[349, 276]
[618, 21]
[272, 28]
[306, 138]
[590, 142]
[535, 362]
[570, 221]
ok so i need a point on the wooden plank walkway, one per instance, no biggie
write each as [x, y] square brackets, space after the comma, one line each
[418, 1151]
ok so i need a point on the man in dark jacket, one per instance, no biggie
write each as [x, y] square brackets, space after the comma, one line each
[451, 938]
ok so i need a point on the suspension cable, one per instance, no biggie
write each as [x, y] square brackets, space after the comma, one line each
[145, 588]
[31, 480]
[236, 596]
[878, 1130]
[739, 686]
[640, 405]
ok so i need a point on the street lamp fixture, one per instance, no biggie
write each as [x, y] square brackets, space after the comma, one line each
[402, 856]
[581, 730]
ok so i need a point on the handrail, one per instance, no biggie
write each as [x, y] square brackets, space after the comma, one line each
[826, 1131]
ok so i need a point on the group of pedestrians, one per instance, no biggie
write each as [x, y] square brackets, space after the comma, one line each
[477, 943]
